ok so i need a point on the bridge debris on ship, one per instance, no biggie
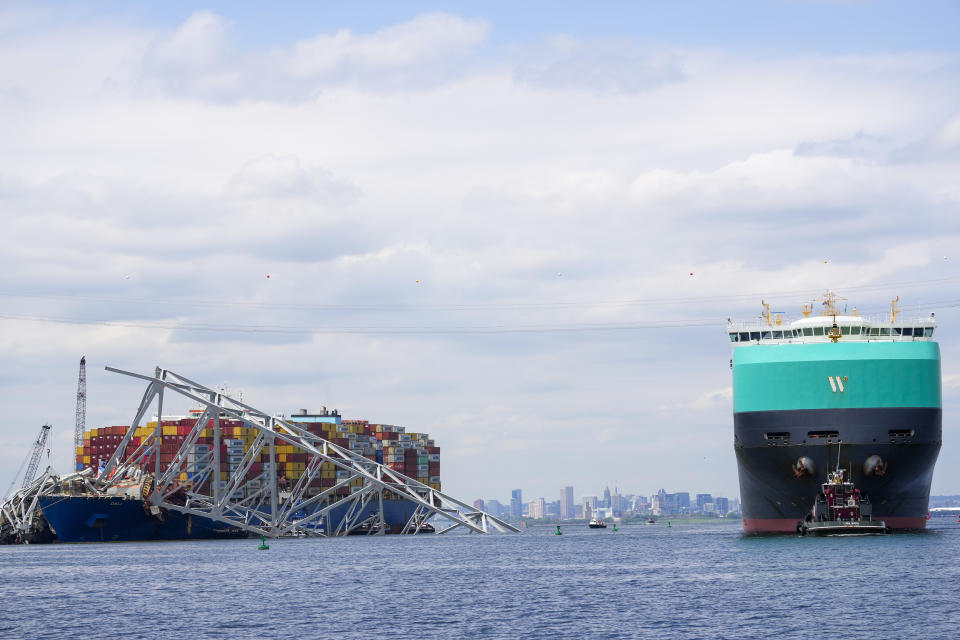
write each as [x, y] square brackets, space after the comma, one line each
[251, 501]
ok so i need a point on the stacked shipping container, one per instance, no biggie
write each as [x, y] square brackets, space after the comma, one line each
[412, 454]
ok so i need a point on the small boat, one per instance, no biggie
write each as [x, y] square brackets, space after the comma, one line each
[651, 520]
[596, 522]
[840, 509]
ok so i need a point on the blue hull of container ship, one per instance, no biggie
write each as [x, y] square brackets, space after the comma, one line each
[113, 519]
[95, 519]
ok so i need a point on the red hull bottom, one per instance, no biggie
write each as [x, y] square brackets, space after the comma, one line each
[789, 525]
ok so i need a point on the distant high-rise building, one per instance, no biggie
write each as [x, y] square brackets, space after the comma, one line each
[703, 499]
[552, 509]
[606, 498]
[616, 505]
[478, 504]
[494, 508]
[722, 504]
[538, 508]
[516, 503]
[683, 502]
[566, 503]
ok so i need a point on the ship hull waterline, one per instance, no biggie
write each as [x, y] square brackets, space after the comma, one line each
[112, 519]
[776, 497]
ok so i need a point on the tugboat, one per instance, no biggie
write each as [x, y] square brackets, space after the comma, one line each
[840, 509]
[596, 522]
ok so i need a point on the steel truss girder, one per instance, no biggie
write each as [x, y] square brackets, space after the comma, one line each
[242, 502]
[18, 512]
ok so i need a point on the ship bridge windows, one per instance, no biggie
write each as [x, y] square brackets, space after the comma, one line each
[808, 331]
[874, 331]
[885, 331]
[818, 331]
[928, 332]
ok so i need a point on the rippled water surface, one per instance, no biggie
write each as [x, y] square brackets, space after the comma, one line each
[645, 581]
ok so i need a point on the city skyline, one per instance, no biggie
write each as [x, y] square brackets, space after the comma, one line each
[611, 503]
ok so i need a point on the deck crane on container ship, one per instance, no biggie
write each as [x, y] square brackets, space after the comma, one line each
[38, 447]
[20, 519]
[81, 423]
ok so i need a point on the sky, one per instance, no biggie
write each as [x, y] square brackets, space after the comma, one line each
[521, 230]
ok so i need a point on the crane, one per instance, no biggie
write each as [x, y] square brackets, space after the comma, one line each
[38, 448]
[32, 460]
[81, 406]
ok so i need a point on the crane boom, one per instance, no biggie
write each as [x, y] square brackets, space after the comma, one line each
[81, 424]
[38, 448]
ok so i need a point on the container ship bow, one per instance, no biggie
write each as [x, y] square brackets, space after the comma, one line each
[829, 391]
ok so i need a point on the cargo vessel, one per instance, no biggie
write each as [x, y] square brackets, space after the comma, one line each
[835, 389]
[74, 515]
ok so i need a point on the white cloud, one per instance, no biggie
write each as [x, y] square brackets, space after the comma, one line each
[199, 59]
[590, 171]
[199, 43]
[286, 177]
[563, 63]
[424, 40]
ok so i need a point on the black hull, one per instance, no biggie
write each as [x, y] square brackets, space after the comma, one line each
[769, 443]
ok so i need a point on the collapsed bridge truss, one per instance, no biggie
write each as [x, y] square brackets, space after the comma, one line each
[256, 502]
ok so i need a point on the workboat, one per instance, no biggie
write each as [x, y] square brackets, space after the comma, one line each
[841, 509]
[807, 388]
[596, 522]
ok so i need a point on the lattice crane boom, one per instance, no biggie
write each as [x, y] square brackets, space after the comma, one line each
[38, 447]
[81, 423]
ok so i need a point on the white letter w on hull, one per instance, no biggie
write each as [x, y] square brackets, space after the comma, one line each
[836, 382]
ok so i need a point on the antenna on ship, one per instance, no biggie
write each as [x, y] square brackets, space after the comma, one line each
[894, 309]
[834, 333]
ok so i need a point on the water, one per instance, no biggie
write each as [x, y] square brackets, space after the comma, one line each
[645, 581]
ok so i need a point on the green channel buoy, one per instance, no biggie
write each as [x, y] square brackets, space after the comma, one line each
[263, 544]
[668, 523]
[559, 533]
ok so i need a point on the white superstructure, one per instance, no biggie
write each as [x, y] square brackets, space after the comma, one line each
[771, 328]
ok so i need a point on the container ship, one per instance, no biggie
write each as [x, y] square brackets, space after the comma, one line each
[835, 390]
[124, 514]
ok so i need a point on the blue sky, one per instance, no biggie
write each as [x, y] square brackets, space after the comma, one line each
[826, 26]
[521, 230]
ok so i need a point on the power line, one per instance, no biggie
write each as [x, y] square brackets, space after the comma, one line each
[676, 323]
[396, 330]
[494, 306]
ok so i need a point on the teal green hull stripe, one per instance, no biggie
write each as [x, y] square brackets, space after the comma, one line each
[872, 374]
